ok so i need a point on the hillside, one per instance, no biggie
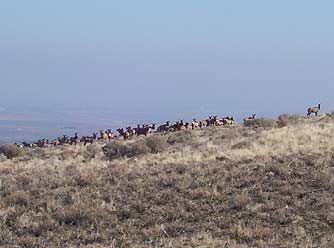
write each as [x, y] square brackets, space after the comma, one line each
[257, 186]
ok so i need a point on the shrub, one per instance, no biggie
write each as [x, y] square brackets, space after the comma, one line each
[185, 137]
[241, 145]
[39, 153]
[73, 215]
[2, 157]
[151, 144]
[288, 120]
[67, 154]
[11, 151]
[116, 150]
[156, 143]
[91, 152]
[138, 148]
[261, 122]
[18, 198]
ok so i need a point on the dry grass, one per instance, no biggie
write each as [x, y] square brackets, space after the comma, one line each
[218, 187]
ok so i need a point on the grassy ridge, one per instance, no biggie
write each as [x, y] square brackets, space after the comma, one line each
[234, 187]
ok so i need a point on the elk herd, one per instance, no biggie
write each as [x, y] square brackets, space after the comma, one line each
[130, 132]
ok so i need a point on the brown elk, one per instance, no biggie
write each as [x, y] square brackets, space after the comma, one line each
[211, 121]
[250, 118]
[75, 140]
[89, 139]
[314, 110]
[145, 129]
[64, 140]
[41, 143]
[103, 135]
[228, 120]
[124, 134]
[179, 125]
[132, 131]
[110, 134]
[195, 124]
[219, 122]
[56, 142]
[203, 123]
[26, 144]
[18, 145]
[164, 128]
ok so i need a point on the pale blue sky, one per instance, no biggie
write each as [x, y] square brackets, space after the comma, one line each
[228, 56]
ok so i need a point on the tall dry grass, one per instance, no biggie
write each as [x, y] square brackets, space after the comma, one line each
[256, 186]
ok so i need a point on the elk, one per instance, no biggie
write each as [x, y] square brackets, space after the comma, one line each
[195, 124]
[110, 134]
[75, 140]
[211, 121]
[174, 127]
[179, 125]
[41, 143]
[164, 128]
[203, 123]
[153, 126]
[314, 110]
[103, 135]
[250, 118]
[132, 131]
[228, 120]
[64, 140]
[182, 125]
[56, 142]
[124, 134]
[219, 122]
[18, 145]
[145, 130]
[89, 139]
[26, 144]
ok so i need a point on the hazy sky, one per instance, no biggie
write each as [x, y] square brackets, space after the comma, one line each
[228, 56]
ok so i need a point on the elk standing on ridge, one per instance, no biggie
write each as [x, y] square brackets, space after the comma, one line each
[124, 134]
[203, 123]
[314, 110]
[145, 130]
[228, 120]
[104, 136]
[89, 139]
[26, 144]
[211, 121]
[132, 131]
[110, 134]
[250, 118]
[194, 124]
[164, 128]
[56, 142]
[75, 140]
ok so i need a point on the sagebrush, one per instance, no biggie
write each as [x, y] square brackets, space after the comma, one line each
[258, 186]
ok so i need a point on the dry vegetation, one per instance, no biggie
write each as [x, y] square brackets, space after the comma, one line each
[260, 186]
